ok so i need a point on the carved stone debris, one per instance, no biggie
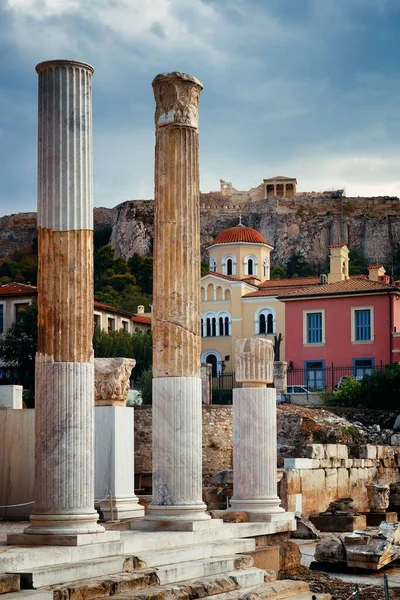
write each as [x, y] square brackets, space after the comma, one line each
[111, 380]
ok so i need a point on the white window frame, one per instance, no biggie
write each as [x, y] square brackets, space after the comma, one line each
[266, 310]
[224, 265]
[353, 325]
[213, 262]
[255, 265]
[305, 328]
[122, 325]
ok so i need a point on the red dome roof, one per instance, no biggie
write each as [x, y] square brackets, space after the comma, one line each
[239, 234]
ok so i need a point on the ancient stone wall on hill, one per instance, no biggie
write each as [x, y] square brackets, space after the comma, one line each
[302, 224]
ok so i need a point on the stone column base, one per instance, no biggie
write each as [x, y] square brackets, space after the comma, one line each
[54, 539]
[121, 508]
[64, 524]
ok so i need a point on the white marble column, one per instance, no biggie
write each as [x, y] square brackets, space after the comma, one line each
[64, 387]
[254, 433]
[177, 427]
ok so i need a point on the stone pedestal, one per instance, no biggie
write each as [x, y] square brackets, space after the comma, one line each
[114, 463]
[254, 434]
[280, 377]
[177, 443]
[11, 396]
[64, 383]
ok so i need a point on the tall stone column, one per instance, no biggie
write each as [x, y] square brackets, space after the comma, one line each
[254, 433]
[177, 413]
[64, 387]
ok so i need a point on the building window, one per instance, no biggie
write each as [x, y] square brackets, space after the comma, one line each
[362, 366]
[213, 266]
[125, 326]
[266, 323]
[362, 325]
[213, 361]
[19, 310]
[97, 321]
[250, 267]
[110, 324]
[314, 371]
[224, 326]
[265, 268]
[314, 328]
[1, 318]
[229, 266]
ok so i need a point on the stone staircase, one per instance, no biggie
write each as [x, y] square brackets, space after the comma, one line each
[148, 567]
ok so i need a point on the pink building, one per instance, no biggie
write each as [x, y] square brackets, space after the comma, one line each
[346, 322]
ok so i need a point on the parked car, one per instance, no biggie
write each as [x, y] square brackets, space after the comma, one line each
[299, 389]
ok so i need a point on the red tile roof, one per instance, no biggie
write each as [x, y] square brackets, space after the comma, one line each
[336, 245]
[238, 234]
[349, 286]
[18, 289]
[378, 266]
[229, 277]
[296, 281]
[141, 319]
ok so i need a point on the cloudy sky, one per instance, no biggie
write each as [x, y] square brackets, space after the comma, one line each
[304, 88]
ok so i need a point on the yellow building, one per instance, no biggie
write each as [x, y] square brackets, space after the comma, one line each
[238, 299]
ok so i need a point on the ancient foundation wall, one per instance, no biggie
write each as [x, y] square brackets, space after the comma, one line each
[332, 471]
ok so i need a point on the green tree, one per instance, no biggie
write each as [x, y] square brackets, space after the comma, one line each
[145, 385]
[121, 344]
[297, 265]
[278, 272]
[18, 348]
[358, 263]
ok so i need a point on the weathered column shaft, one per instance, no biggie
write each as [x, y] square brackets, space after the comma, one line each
[177, 444]
[64, 458]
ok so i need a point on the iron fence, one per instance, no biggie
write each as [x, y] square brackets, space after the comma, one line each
[325, 377]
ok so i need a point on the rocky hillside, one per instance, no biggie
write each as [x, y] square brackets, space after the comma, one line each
[302, 224]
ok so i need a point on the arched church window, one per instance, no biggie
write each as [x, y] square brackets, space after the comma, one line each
[229, 266]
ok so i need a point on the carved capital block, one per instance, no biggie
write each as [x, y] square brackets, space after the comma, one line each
[378, 496]
[254, 362]
[111, 380]
[177, 99]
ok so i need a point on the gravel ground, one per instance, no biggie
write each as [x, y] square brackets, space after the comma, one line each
[7, 527]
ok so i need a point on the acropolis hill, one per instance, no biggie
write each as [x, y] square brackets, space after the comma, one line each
[298, 222]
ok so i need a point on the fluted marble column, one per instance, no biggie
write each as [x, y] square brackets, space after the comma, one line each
[64, 439]
[254, 432]
[177, 442]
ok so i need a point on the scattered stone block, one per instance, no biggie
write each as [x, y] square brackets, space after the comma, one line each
[9, 582]
[374, 519]
[305, 529]
[331, 450]
[266, 558]
[367, 451]
[341, 523]
[316, 450]
[11, 396]
[298, 463]
[342, 451]
[330, 549]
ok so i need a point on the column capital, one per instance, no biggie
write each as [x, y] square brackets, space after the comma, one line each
[177, 98]
[254, 362]
[48, 64]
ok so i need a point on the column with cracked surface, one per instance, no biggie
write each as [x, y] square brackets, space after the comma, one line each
[177, 412]
[64, 386]
[254, 434]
